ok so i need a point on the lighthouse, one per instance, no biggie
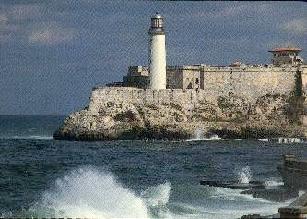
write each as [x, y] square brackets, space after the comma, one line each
[157, 53]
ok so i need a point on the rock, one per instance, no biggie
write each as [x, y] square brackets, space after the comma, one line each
[130, 113]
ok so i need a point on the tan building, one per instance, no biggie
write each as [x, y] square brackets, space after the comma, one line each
[286, 56]
[184, 77]
[177, 77]
[137, 76]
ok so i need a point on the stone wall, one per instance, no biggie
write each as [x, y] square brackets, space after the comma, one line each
[185, 98]
[249, 83]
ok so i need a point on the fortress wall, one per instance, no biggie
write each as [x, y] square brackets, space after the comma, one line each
[104, 95]
[247, 84]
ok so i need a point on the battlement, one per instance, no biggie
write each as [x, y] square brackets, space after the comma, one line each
[143, 70]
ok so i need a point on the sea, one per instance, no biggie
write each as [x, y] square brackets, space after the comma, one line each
[42, 177]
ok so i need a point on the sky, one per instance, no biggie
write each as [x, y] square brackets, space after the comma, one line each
[53, 52]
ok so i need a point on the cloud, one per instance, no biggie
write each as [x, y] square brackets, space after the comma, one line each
[34, 23]
[297, 26]
[6, 30]
[15, 20]
[22, 12]
[234, 10]
[51, 34]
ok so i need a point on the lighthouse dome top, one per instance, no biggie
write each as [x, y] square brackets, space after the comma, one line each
[157, 15]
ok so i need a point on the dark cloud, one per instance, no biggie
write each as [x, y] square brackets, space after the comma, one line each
[54, 52]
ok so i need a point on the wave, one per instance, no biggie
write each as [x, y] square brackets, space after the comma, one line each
[282, 140]
[263, 139]
[157, 195]
[289, 140]
[229, 203]
[89, 192]
[34, 137]
[236, 195]
[156, 199]
[273, 183]
[211, 138]
[199, 135]
[245, 175]
[249, 204]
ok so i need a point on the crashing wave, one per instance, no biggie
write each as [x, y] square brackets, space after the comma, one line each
[245, 175]
[91, 193]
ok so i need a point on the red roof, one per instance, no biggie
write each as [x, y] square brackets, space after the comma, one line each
[292, 49]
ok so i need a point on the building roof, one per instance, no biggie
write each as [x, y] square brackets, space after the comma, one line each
[292, 49]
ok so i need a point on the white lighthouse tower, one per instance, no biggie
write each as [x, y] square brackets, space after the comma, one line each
[157, 53]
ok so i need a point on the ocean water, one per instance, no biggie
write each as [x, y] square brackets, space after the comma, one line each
[41, 177]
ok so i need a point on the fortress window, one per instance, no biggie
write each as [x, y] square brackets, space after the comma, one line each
[190, 86]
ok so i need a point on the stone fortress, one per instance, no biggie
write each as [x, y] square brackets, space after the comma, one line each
[200, 76]
[173, 102]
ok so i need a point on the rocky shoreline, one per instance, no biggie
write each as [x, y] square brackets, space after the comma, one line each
[108, 118]
[71, 131]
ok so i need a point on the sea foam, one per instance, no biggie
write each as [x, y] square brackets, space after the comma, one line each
[245, 175]
[88, 192]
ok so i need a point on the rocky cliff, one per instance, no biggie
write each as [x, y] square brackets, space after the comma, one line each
[130, 113]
